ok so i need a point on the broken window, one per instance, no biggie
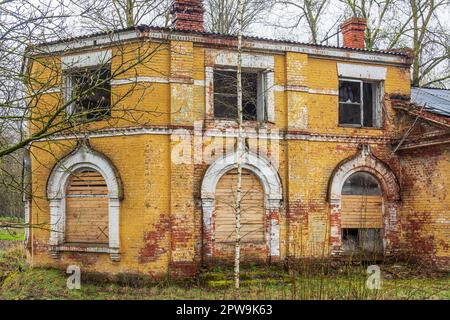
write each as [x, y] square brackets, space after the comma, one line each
[362, 215]
[361, 184]
[359, 103]
[362, 241]
[90, 89]
[225, 95]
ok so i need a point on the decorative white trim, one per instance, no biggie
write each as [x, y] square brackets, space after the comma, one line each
[226, 58]
[118, 82]
[297, 88]
[361, 71]
[48, 90]
[230, 132]
[274, 238]
[251, 161]
[209, 94]
[251, 44]
[89, 59]
[269, 179]
[26, 205]
[82, 157]
[331, 92]
[199, 83]
[282, 88]
[364, 161]
[279, 88]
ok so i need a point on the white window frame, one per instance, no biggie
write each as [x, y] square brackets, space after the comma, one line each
[377, 87]
[261, 93]
[227, 60]
[71, 63]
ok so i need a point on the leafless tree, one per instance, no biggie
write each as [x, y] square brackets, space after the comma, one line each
[417, 24]
[429, 40]
[40, 96]
[377, 12]
[309, 13]
[240, 145]
[104, 15]
[222, 16]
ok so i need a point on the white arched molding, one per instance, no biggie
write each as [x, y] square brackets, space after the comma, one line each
[83, 157]
[364, 161]
[271, 183]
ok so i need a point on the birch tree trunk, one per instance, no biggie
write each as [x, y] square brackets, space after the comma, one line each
[240, 148]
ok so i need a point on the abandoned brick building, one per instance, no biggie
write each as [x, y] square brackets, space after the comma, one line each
[339, 159]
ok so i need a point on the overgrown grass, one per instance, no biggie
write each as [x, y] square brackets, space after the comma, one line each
[18, 281]
[11, 234]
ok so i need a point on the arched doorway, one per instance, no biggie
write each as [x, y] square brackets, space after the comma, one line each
[253, 233]
[362, 215]
[262, 185]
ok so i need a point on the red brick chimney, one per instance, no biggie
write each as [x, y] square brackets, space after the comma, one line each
[353, 32]
[188, 15]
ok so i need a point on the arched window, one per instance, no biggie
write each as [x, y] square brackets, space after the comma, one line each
[252, 208]
[84, 192]
[86, 208]
[362, 214]
[361, 183]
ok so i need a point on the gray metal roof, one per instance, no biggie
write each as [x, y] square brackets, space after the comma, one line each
[435, 100]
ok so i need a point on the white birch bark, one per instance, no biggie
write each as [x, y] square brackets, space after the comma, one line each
[240, 149]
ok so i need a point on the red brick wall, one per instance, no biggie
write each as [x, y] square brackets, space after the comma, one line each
[188, 15]
[425, 174]
[353, 32]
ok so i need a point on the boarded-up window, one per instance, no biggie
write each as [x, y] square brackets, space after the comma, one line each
[361, 202]
[87, 208]
[252, 208]
[362, 214]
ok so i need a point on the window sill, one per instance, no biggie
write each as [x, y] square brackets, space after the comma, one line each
[227, 123]
[71, 119]
[86, 248]
[350, 126]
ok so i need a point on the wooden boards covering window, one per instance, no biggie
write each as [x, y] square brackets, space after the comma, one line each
[252, 208]
[362, 211]
[87, 208]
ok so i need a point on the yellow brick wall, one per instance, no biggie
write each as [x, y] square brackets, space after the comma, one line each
[161, 217]
[144, 220]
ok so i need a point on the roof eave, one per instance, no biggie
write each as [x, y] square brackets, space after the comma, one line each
[255, 43]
